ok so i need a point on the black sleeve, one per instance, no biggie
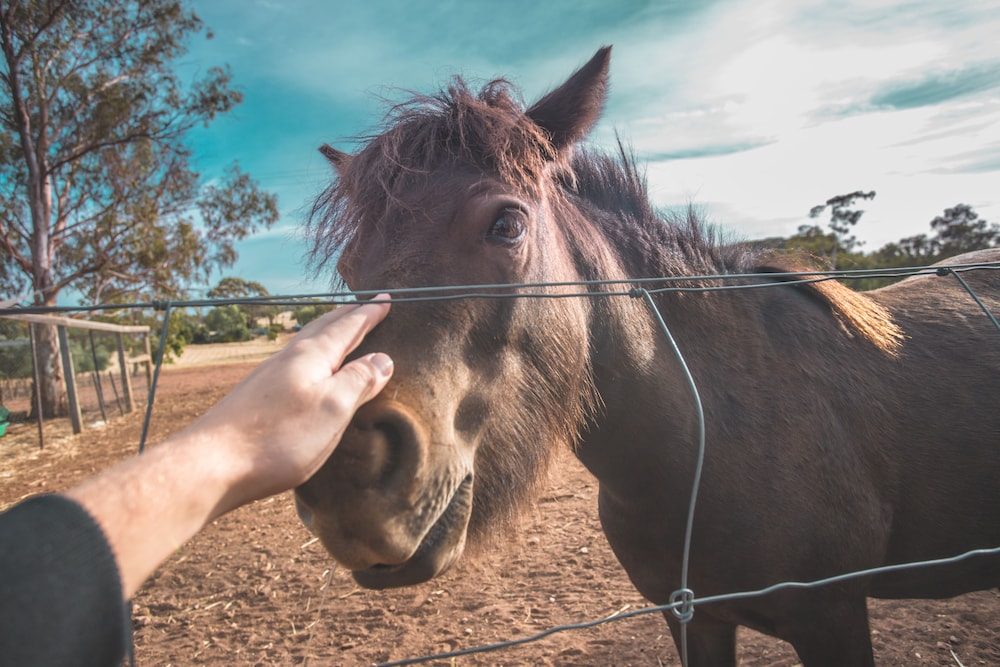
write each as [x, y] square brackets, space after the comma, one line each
[61, 599]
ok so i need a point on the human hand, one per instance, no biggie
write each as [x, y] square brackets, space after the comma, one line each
[278, 426]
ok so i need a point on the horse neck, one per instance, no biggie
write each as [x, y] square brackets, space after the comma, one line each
[632, 357]
[617, 247]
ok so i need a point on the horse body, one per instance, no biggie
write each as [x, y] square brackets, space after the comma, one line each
[946, 431]
[843, 431]
[823, 457]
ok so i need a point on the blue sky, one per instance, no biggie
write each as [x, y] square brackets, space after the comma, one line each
[754, 110]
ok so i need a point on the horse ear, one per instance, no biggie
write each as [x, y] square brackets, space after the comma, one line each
[570, 111]
[338, 159]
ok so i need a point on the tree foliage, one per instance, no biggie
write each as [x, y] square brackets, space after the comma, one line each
[227, 324]
[238, 288]
[86, 356]
[309, 312]
[15, 352]
[97, 188]
[843, 218]
[960, 229]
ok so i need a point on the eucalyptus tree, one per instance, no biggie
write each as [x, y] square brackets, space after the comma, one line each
[842, 220]
[98, 190]
[960, 229]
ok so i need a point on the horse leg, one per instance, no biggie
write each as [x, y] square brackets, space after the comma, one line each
[832, 634]
[710, 643]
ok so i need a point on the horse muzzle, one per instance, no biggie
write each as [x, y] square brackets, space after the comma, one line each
[392, 503]
[440, 548]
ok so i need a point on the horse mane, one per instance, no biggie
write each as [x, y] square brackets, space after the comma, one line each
[676, 243]
[684, 244]
[858, 312]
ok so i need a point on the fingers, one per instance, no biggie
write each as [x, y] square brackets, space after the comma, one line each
[347, 326]
[312, 393]
[364, 378]
[373, 311]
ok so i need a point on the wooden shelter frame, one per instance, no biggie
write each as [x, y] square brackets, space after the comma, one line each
[64, 323]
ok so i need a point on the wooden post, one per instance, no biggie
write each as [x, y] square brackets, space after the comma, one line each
[74, 405]
[38, 386]
[97, 378]
[149, 363]
[61, 323]
[126, 376]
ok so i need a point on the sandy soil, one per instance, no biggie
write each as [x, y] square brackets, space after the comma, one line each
[254, 588]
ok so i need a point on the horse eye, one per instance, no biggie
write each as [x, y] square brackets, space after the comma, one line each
[508, 227]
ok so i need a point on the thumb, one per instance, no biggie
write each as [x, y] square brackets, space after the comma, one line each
[362, 379]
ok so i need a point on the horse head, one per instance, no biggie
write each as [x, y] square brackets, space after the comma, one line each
[459, 189]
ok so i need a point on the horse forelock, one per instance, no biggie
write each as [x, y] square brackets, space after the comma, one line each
[488, 131]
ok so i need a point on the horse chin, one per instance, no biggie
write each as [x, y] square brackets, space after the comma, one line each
[440, 548]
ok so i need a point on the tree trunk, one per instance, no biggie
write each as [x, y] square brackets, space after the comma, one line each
[34, 144]
[50, 372]
[50, 367]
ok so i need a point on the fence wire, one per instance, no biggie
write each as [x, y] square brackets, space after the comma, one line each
[684, 601]
[586, 288]
[675, 607]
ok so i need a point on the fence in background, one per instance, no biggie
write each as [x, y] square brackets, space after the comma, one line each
[114, 378]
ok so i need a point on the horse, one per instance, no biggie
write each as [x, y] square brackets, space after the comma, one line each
[843, 430]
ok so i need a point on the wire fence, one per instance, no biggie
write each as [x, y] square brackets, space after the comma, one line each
[684, 601]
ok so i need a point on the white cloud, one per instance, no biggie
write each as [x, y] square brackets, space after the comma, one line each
[775, 99]
[769, 190]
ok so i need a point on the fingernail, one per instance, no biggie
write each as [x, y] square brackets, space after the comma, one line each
[382, 362]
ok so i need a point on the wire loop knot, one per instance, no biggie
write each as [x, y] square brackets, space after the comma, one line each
[684, 599]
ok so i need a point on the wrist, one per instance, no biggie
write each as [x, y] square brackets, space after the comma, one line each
[214, 472]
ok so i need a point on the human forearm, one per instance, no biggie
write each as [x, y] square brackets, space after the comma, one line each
[150, 505]
[268, 435]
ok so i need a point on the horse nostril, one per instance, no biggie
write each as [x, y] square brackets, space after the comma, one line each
[381, 448]
[393, 445]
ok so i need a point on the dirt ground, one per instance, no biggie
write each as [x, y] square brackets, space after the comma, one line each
[255, 588]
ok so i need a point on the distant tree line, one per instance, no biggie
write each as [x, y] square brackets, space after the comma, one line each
[235, 322]
[957, 230]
